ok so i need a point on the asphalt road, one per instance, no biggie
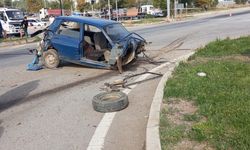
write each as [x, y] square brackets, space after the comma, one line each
[13, 56]
[64, 118]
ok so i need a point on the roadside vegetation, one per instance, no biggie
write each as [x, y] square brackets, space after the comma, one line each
[210, 111]
[33, 6]
[17, 39]
[144, 21]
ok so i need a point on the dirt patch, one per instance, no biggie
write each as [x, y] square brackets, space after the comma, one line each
[242, 58]
[177, 109]
[186, 144]
[183, 112]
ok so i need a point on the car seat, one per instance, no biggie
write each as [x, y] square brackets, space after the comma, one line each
[100, 41]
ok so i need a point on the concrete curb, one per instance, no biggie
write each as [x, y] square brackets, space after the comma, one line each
[152, 132]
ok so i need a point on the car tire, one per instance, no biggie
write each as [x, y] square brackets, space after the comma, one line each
[51, 59]
[110, 101]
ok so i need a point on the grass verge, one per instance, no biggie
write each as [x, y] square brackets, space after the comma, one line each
[143, 21]
[222, 97]
[17, 39]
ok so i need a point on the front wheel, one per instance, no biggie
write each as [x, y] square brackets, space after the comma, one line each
[51, 59]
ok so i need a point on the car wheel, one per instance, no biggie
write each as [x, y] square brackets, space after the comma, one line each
[51, 59]
[110, 101]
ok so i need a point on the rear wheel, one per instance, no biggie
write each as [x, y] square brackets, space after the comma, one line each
[51, 59]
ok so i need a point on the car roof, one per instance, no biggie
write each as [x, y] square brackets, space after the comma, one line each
[89, 20]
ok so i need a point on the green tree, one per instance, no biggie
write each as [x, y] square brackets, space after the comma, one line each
[203, 3]
[67, 4]
[162, 4]
[101, 4]
[1, 3]
[80, 5]
[215, 2]
[45, 3]
[54, 5]
[241, 1]
[34, 5]
[189, 2]
[21, 4]
[7, 3]
[131, 3]
[87, 6]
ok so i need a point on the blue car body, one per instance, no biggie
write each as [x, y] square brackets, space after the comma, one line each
[108, 42]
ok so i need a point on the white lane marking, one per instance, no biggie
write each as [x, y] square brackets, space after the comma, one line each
[98, 139]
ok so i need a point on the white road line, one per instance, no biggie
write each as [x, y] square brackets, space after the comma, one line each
[98, 139]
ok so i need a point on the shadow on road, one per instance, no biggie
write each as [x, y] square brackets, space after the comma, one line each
[17, 94]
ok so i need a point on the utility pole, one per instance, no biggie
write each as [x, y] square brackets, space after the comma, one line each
[45, 4]
[61, 7]
[109, 10]
[168, 10]
[186, 8]
[175, 8]
[116, 10]
[92, 6]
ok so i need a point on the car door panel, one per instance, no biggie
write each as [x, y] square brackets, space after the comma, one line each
[67, 42]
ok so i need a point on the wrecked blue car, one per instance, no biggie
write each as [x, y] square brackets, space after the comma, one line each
[90, 42]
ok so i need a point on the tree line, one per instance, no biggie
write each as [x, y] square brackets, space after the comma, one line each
[34, 6]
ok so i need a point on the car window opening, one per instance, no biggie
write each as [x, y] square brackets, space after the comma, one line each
[95, 46]
[71, 29]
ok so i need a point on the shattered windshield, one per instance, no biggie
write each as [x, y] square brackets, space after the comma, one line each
[116, 31]
[14, 15]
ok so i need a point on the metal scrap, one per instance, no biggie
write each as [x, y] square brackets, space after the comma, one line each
[124, 83]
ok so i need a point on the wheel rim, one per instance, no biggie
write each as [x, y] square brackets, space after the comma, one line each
[50, 59]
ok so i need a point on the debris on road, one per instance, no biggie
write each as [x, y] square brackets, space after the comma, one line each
[35, 64]
[124, 83]
[113, 99]
[110, 101]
